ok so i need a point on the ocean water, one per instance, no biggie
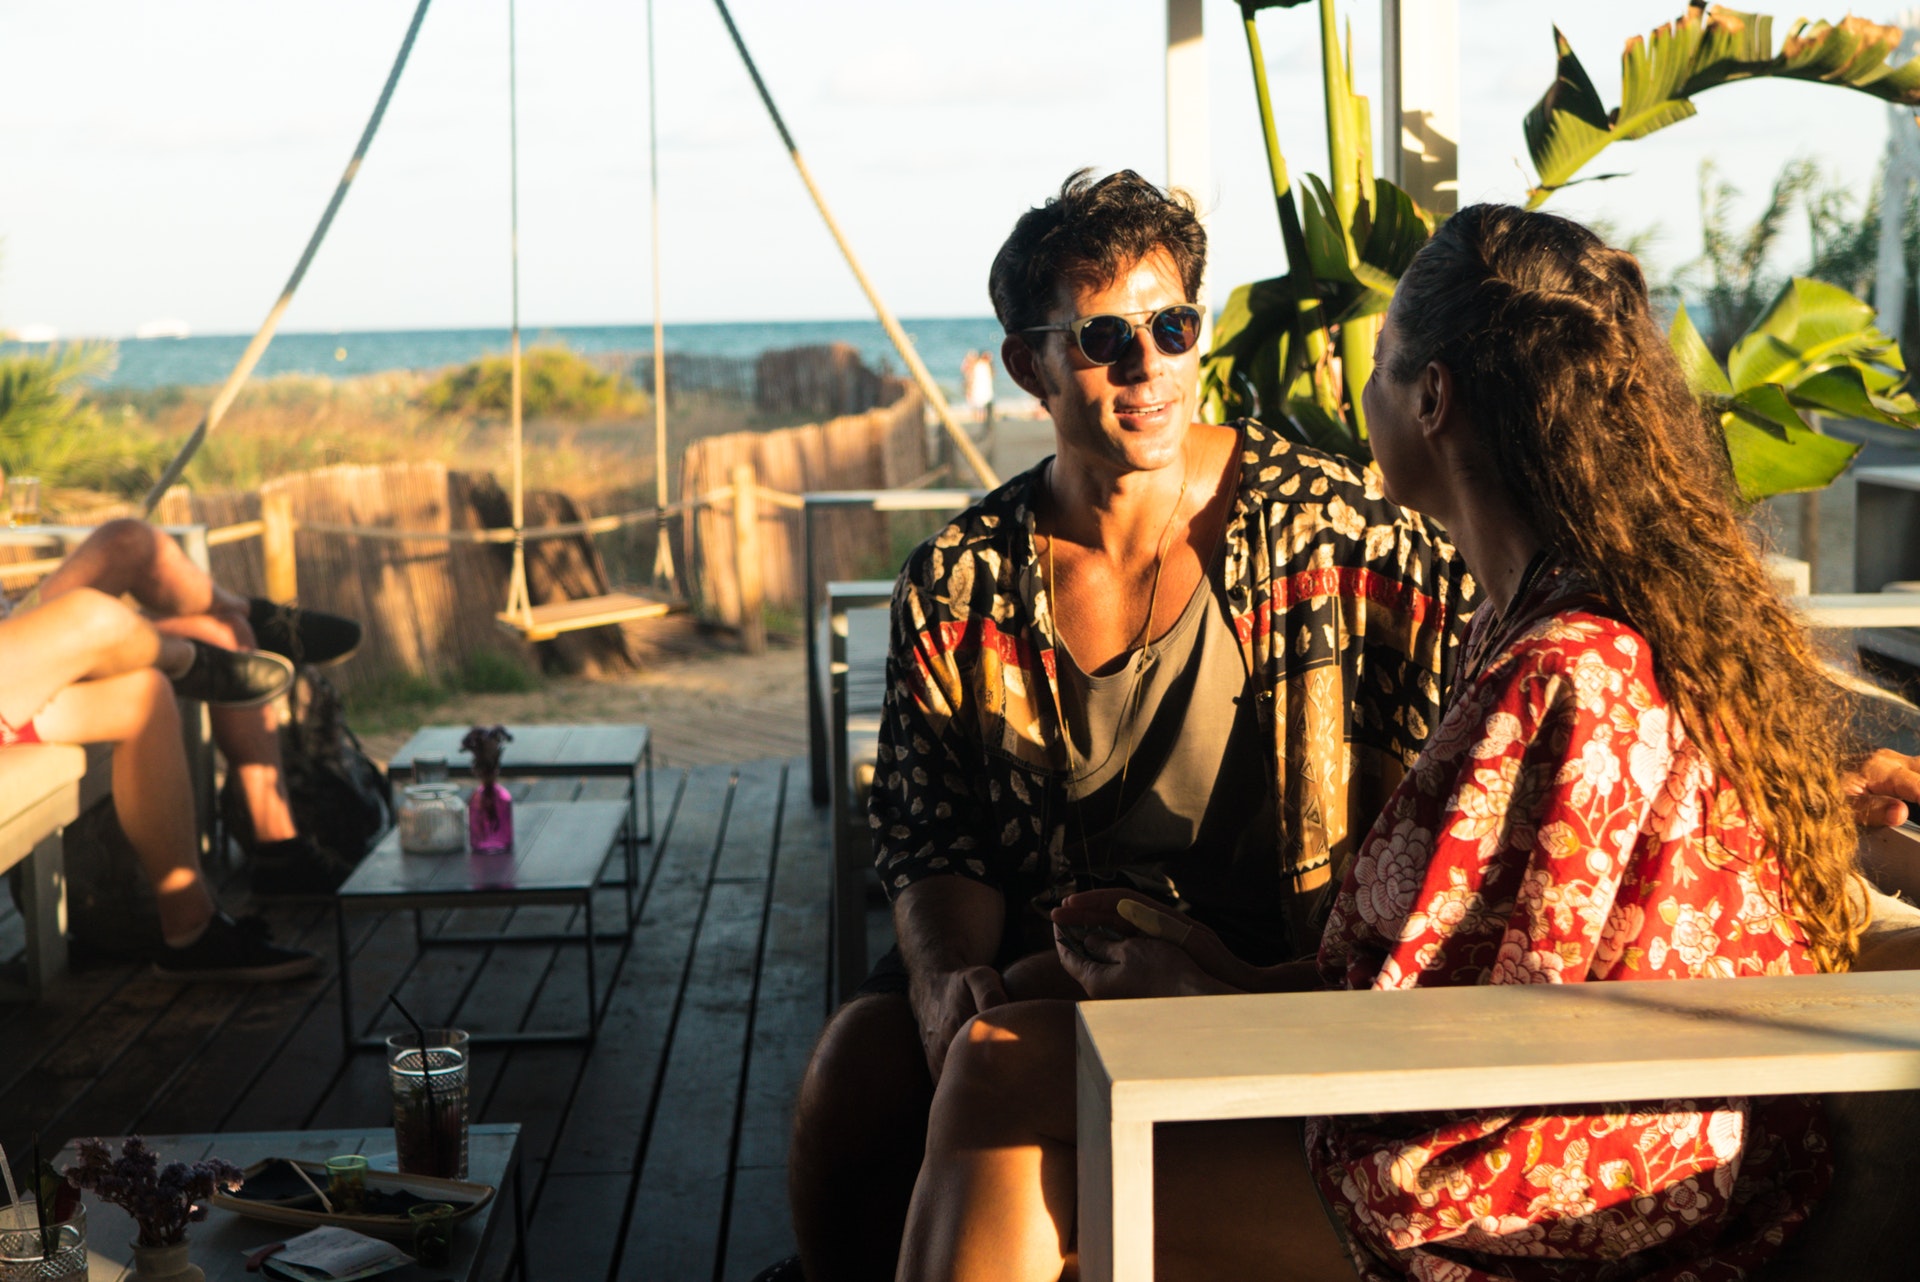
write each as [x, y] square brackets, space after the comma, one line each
[201, 360]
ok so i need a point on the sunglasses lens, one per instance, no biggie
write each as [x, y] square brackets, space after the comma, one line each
[1176, 329]
[1104, 338]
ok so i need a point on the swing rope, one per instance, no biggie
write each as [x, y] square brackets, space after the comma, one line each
[257, 348]
[518, 600]
[662, 553]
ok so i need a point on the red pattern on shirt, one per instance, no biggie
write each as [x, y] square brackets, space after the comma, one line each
[1561, 828]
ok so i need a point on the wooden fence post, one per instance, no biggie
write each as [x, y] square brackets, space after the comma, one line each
[276, 541]
[746, 556]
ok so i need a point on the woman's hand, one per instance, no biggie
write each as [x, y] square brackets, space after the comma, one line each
[1882, 788]
[1134, 930]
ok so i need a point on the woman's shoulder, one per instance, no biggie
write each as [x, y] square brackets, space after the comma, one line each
[1585, 654]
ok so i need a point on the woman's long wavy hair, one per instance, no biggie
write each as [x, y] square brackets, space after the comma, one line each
[1584, 410]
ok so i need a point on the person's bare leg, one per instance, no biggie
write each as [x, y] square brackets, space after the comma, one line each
[83, 636]
[131, 557]
[249, 738]
[152, 794]
[997, 1195]
[859, 1128]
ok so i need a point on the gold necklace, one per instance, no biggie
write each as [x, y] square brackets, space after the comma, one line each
[1129, 707]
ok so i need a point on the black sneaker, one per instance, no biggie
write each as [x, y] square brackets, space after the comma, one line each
[297, 866]
[233, 678]
[234, 950]
[304, 636]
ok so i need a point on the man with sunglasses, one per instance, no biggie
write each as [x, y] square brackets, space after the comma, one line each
[1179, 657]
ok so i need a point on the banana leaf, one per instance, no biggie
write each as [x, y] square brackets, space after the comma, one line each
[1814, 351]
[1702, 49]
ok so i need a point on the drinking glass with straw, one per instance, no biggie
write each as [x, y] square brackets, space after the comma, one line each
[428, 1072]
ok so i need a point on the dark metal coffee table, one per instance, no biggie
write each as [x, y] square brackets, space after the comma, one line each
[560, 849]
[576, 751]
[221, 1244]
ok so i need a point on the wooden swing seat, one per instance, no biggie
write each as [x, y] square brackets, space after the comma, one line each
[545, 622]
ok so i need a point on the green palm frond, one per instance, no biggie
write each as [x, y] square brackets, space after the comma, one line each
[1702, 49]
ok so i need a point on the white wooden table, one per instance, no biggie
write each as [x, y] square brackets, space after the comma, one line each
[1301, 1054]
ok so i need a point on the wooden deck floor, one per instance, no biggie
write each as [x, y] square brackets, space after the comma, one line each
[657, 1153]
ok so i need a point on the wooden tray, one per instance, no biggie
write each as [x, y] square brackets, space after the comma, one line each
[464, 1197]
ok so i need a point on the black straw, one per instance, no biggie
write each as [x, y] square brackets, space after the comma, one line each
[426, 1075]
[40, 1207]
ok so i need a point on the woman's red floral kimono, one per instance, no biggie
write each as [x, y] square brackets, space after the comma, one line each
[1560, 828]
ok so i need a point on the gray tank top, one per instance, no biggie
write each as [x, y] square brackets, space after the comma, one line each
[1187, 815]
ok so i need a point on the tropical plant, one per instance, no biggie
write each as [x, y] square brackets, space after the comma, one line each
[1702, 49]
[1297, 349]
[555, 382]
[1732, 276]
[49, 430]
[1814, 351]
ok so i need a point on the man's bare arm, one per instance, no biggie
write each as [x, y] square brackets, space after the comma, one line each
[949, 931]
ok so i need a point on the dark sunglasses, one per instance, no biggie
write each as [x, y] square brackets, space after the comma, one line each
[1105, 339]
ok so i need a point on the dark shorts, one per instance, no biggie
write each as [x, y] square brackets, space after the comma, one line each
[889, 975]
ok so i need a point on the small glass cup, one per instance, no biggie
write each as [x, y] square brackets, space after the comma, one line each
[23, 500]
[429, 770]
[347, 1183]
[430, 1102]
[24, 1255]
[432, 1234]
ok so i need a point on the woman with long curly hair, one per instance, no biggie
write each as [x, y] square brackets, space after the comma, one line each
[1637, 777]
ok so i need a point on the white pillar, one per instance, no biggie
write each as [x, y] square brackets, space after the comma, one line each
[1420, 107]
[1890, 282]
[1189, 147]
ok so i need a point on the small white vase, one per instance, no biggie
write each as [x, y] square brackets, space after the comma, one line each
[165, 1264]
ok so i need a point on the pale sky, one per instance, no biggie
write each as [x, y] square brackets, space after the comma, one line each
[169, 160]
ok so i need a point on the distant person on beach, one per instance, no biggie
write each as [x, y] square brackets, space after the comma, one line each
[976, 372]
[82, 667]
[1137, 666]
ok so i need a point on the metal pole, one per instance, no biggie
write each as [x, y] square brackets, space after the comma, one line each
[223, 400]
[901, 342]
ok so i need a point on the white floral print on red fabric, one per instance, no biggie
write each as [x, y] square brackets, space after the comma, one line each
[1561, 828]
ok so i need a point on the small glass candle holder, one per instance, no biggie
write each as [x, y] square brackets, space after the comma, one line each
[347, 1182]
[432, 819]
[429, 769]
[432, 1234]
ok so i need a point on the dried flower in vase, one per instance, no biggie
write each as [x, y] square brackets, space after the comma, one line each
[162, 1200]
[485, 744]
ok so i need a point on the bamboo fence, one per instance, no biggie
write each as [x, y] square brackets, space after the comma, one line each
[881, 449]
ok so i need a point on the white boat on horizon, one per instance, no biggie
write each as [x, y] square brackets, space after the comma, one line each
[164, 327]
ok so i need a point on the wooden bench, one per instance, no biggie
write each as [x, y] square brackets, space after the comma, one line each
[39, 797]
[856, 628]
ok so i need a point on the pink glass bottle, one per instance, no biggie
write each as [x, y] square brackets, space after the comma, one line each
[489, 819]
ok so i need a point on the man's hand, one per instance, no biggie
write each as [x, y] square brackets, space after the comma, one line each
[944, 1000]
[1107, 965]
[1882, 788]
[1102, 909]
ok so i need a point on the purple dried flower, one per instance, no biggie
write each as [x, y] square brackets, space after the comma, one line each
[485, 744]
[162, 1201]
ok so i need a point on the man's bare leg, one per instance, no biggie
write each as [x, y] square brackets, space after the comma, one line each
[860, 1128]
[83, 636]
[133, 558]
[129, 557]
[249, 738]
[152, 794]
